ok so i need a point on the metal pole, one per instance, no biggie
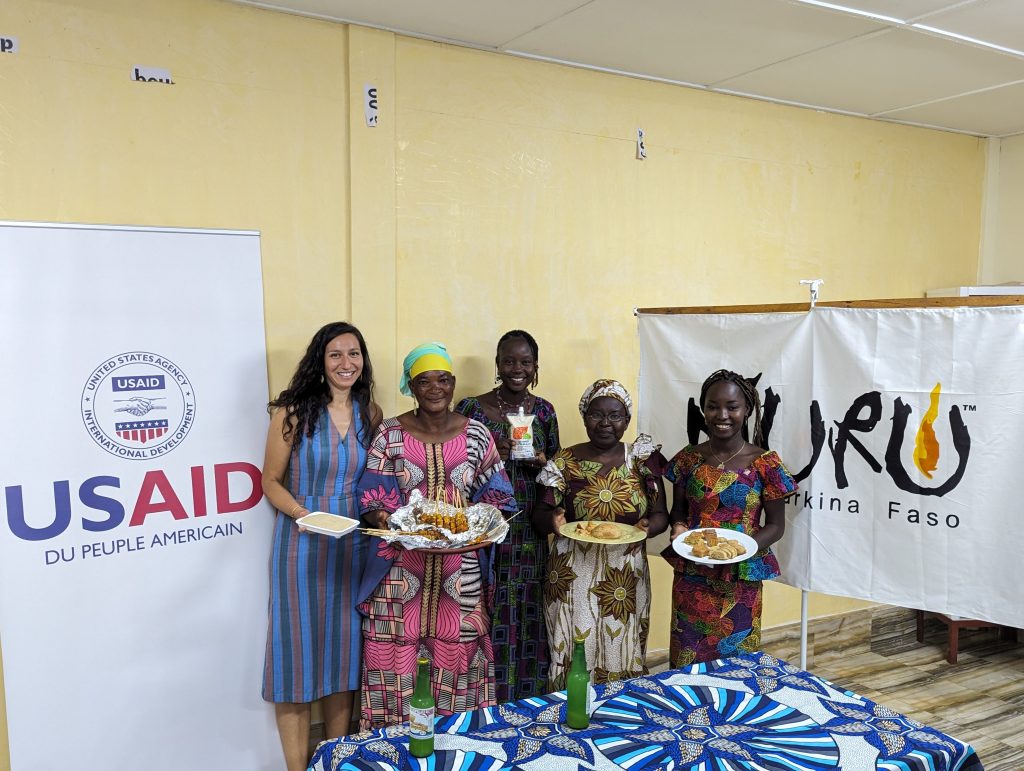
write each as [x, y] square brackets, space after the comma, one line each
[812, 284]
[803, 629]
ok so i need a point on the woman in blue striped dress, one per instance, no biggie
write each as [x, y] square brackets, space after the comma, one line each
[320, 428]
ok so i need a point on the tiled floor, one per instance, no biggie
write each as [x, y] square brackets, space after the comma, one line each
[979, 700]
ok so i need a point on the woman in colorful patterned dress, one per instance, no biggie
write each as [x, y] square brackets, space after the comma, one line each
[601, 592]
[725, 482]
[517, 618]
[423, 602]
[320, 428]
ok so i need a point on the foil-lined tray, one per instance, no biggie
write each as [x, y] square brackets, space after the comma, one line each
[486, 524]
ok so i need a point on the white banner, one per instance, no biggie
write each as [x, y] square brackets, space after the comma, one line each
[902, 426]
[134, 540]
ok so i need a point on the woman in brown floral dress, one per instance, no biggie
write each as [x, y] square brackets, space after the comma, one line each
[597, 591]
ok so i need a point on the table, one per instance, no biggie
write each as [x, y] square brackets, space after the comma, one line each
[748, 712]
[954, 624]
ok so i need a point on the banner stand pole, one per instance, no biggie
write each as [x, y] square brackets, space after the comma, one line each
[803, 629]
[812, 285]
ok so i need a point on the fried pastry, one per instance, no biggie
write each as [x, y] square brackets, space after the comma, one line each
[606, 531]
[708, 544]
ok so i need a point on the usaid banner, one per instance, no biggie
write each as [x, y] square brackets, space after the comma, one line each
[133, 533]
[902, 427]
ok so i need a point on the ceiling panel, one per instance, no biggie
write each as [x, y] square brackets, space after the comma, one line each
[787, 50]
[699, 41]
[998, 112]
[889, 70]
[905, 10]
[479, 22]
[995, 21]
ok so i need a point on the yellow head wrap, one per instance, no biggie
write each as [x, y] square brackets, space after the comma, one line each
[428, 357]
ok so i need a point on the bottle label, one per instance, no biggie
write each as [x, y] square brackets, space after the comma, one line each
[421, 722]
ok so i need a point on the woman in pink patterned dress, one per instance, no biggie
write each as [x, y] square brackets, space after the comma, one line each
[423, 603]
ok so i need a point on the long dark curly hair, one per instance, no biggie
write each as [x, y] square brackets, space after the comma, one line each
[308, 393]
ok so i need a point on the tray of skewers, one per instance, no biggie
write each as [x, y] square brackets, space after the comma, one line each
[445, 523]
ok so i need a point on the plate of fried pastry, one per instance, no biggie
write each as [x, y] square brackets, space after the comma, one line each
[608, 533]
[715, 546]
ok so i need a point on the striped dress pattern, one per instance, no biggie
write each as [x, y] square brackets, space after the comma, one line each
[419, 603]
[314, 643]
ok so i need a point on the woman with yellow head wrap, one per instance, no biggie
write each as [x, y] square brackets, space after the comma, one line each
[415, 600]
[426, 357]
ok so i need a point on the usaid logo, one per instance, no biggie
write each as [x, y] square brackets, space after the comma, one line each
[138, 405]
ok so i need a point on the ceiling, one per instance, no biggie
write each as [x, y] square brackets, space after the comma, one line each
[957, 66]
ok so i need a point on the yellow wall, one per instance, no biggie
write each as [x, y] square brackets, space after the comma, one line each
[1004, 257]
[495, 193]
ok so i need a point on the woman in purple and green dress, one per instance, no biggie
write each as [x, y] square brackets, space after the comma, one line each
[517, 617]
[725, 482]
[320, 429]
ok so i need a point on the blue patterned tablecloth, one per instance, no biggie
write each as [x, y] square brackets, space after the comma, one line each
[748, 712]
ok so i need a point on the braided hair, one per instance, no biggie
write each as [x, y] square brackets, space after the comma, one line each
[747, 388]
[308, 393]
[528, 339]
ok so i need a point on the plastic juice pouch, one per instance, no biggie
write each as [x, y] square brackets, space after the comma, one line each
[521, 435]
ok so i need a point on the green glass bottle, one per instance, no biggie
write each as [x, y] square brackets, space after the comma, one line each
[577, 713]
[421, 714]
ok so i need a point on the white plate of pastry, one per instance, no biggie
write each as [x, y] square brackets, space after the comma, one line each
[608, 533]
[714, 546]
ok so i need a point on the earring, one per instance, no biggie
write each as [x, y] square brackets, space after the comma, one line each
[497, 377]
[536, 378]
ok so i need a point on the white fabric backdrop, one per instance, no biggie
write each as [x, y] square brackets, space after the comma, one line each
[133, 574]
[887, 532]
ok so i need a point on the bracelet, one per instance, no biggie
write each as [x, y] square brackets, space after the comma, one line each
[298, 507]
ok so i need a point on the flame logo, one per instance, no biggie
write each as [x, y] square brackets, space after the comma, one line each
[926, 446]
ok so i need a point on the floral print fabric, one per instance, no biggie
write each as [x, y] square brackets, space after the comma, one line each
[602, 593]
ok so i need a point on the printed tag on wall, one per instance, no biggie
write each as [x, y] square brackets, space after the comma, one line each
[151, 75]
[8, 45]
[370, 104]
